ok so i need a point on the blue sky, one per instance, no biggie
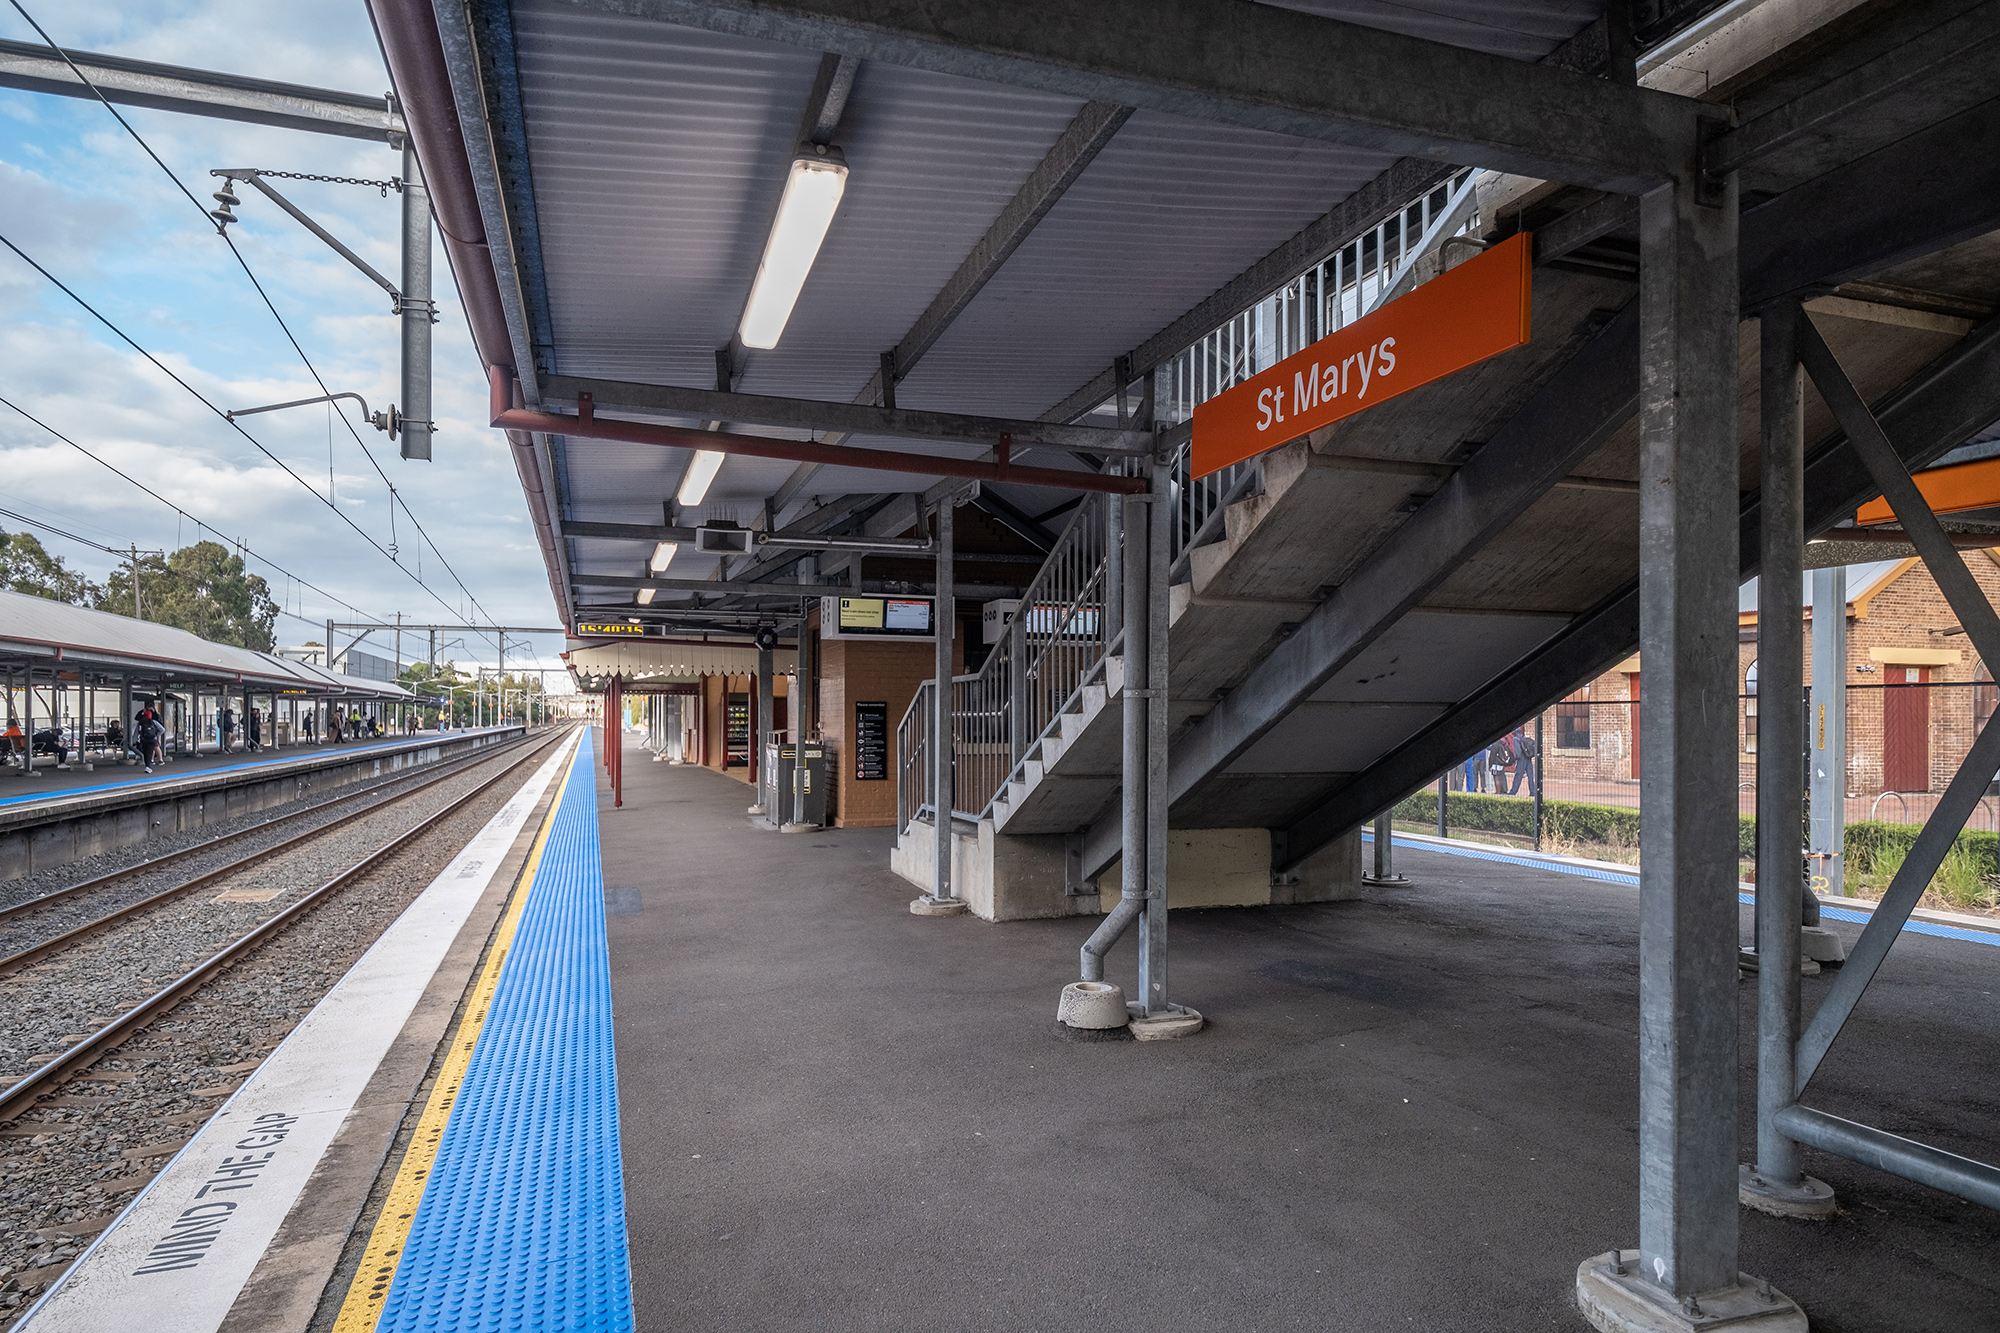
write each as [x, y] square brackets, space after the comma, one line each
[81, 197]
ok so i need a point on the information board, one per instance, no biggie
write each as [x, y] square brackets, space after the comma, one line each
[876, 618]
[871, 740]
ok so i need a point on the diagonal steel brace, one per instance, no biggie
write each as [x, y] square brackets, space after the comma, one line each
[1982, 627]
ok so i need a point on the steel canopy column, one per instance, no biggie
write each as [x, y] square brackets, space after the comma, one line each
[1152, 609]
[1775, 1184]
[761, 731]
[416, 308]
[1688, 521]
[940, 901]
[1829, 730]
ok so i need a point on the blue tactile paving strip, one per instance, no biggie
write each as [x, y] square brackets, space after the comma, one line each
[276, 757]
[1587, 872]
[522, 1224]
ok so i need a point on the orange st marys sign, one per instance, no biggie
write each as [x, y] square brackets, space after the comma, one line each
[1460, 318]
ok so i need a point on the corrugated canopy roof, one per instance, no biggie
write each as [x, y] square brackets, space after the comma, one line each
[36, 627]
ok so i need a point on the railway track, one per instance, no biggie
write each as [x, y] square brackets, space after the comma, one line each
[23, 1094]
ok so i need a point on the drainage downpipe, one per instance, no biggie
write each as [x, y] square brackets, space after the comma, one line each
[407, 30]
[1099, 944]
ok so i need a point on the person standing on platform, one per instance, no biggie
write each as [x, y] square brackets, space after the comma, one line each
[1524, 762]
[225, 728]
[12, 742]
[1478, 778]
[255, 730]
[312, 728]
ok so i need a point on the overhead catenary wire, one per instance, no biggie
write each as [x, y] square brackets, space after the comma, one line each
[179, 512]
[395, 498]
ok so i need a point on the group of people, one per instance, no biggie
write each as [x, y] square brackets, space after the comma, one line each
[148, 737]
[1513, 755]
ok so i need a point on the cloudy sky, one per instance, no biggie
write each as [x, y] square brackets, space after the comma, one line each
[80, 197]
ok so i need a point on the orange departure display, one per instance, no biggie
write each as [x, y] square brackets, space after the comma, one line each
[1477, 310]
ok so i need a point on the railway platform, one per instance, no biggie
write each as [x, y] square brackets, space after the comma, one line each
[815, 1110]
[66, 815]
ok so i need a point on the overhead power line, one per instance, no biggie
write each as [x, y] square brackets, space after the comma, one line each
[200, 526]
[395, 498]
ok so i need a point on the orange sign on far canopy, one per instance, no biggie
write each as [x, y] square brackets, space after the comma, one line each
[1475, 311]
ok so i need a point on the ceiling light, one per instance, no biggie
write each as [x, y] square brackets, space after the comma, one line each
[663, 555]
[812, 193]
[694, 486]
[646, 596]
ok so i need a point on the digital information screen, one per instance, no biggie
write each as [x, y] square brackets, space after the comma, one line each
[876, 618]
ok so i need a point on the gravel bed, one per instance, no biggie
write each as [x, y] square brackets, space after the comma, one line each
[31, 927]
[325, 799]
[68, 1166]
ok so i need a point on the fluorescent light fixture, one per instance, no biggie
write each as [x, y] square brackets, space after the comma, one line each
[663, 555]
[646, 596]
[701, 471]
[812, 193]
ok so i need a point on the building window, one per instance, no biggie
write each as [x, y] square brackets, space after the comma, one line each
[1750, 709]
[1573, 721]
[1985, 698]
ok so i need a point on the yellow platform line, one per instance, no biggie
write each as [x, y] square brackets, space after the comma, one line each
[362, 1309]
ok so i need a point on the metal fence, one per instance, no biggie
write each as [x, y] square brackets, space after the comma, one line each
[1905, 740]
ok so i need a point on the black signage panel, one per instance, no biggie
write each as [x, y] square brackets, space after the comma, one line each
[871, 741]
[616, 629]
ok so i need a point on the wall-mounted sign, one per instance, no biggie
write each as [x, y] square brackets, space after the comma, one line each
[615, 629]
[871, 741]
[1460, 318]
[876, 618]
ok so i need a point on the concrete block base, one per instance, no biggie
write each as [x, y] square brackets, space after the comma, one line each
[1178, 1021]
[1386, 881]
[1809, 1199]
[1092, 1004]
[929, 906]
[1616, 1299]
[1820, 945]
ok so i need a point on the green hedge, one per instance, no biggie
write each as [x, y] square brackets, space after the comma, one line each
[1578, 820]
[1587, 823]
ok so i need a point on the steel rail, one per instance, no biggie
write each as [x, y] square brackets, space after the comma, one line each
[451, 767]
[23, 1094]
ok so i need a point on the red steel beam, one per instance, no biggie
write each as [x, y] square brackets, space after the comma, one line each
[589, 426]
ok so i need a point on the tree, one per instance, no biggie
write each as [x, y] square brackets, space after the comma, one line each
[26, 567]
[202, 589]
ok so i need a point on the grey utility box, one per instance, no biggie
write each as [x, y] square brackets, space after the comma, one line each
[794, 793]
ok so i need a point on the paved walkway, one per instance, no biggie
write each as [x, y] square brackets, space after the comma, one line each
[1415, 1111]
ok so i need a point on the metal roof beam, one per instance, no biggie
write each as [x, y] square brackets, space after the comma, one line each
[1258, 66]
[198, 92]
[845, 418]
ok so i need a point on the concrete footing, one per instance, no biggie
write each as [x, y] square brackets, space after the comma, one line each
[1386, 881]
[930, 906]
[1615, 1298]
[1178, 1021]
[1820, 945]
[1809, 1199]
[1092, 1004]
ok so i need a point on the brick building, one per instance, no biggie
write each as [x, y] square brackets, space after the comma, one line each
[1916, 691]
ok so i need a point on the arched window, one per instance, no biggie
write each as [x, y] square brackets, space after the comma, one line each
[1750, 709]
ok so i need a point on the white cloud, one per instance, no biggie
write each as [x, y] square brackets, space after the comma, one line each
[81, 197]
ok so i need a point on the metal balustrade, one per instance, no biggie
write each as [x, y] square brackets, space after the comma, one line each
[1068, 619]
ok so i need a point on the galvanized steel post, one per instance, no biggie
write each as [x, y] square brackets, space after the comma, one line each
[1154, 610]
[1827, 731]
[416, 308]
[943, 621]
[1688, 587]
[1780, 737]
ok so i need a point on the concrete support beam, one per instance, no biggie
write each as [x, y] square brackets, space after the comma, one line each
[1258, 66]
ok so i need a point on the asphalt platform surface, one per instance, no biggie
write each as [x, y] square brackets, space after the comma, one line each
[1413, 1111]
